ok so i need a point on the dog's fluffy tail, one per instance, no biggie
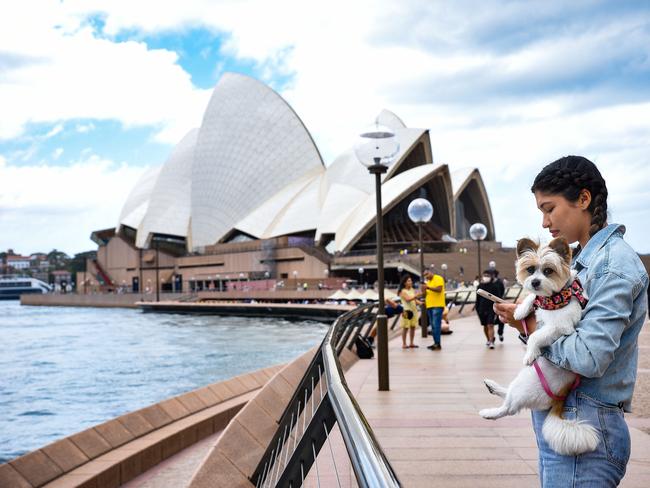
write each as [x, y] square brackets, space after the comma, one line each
[568, 437]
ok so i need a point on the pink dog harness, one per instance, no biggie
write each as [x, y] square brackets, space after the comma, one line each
[542, 378]
[562, 298]
[547, 388]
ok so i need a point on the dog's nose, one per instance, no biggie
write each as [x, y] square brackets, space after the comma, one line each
[535, 284]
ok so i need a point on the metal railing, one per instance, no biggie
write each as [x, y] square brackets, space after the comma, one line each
[322, 400]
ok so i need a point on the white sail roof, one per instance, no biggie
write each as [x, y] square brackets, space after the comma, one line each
[251, 144]
[135, 207]
[253, 167]
[393, 191]
[168, 211]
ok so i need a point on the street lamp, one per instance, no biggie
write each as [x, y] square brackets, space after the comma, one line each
[478, 232]
[443, 267]
[361, 271]
[376, 150]
[420, 212]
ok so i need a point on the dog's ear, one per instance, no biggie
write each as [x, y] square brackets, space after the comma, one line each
[526, 244]
[561, 246]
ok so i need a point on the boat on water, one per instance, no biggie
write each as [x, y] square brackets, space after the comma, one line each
[11, 287]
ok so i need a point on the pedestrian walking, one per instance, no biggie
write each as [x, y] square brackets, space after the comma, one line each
[484, 309]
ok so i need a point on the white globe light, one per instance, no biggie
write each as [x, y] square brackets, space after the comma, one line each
[420, 210]
[361, 270]
[377, 144]
[400, 269]
[443, 267]
[492, 265]
[478, 232]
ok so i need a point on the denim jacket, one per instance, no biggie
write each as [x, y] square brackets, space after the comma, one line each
[603, 349]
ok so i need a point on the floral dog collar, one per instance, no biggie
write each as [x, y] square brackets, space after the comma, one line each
[562, 298]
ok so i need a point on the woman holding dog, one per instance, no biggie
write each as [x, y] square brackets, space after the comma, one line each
[572, 196]
[410, 314]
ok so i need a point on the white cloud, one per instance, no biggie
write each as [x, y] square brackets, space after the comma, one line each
[61, 71]
[84, 128]
[56, 154]
[50, 207]
[501, 86]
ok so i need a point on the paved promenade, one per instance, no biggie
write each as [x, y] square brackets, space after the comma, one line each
[428, 423]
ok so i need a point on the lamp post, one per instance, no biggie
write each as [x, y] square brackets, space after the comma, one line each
[420, 212]
[478, 232]
[443, 266]
[361, 271]
[376, 150]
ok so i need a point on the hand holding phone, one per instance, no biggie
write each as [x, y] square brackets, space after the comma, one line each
[490, 296]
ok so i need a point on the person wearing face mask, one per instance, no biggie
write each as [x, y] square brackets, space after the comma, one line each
[484, 306]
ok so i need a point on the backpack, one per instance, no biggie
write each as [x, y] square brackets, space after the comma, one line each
[364, 349]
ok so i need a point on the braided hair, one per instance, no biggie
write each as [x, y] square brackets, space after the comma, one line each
[568, 176]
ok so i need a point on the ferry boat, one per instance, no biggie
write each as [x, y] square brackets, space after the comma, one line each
[11, 287]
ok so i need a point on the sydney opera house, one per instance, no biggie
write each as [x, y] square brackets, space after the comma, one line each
[248, 197]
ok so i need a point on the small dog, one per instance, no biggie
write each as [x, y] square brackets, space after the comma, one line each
[558, 299]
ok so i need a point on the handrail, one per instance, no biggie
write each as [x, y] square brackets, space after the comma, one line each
[321, 400]
[369, 462]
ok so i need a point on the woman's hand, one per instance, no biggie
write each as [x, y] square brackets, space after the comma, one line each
[506, 311]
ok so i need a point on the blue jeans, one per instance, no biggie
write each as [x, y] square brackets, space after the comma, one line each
[601, 468]
[434, 314]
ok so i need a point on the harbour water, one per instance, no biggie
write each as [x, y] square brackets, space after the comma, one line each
[65, 369]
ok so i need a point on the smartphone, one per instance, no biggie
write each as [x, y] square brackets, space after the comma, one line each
[490, 296]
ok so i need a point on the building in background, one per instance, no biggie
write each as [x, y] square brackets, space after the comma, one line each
[247, 198]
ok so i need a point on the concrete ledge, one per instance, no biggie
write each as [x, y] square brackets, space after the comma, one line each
[126, 300]
[120, 449]
[295, 311]
[235, 455]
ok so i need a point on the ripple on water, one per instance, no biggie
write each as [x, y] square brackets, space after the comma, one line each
[66, 369]
[35, 413]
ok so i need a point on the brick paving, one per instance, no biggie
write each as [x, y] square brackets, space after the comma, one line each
[428, 423]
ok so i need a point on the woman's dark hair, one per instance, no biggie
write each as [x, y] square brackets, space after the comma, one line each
[568, 176]
[402, 283]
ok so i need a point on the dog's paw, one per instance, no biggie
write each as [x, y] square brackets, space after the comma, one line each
[489, 413]
[530, 356]
[520, 313]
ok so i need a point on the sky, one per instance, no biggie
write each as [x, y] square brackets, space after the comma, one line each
[94, 93]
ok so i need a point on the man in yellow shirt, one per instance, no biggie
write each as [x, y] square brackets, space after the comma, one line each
[434, 289]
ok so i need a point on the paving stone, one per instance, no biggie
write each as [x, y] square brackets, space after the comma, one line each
[191, 402]
[156, 416]
[65, 454]
[115, 433]
[91, 443]
[10, 478]
[174, 408]
[136, 424]
[36, 468]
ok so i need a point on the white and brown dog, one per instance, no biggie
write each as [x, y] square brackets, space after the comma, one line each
[558, 299]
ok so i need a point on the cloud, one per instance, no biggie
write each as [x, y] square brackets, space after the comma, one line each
[45, 206]
[501, 86]
[74, 74]
[56, 154]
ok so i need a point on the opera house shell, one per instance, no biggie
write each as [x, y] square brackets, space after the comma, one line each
[252, 171]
